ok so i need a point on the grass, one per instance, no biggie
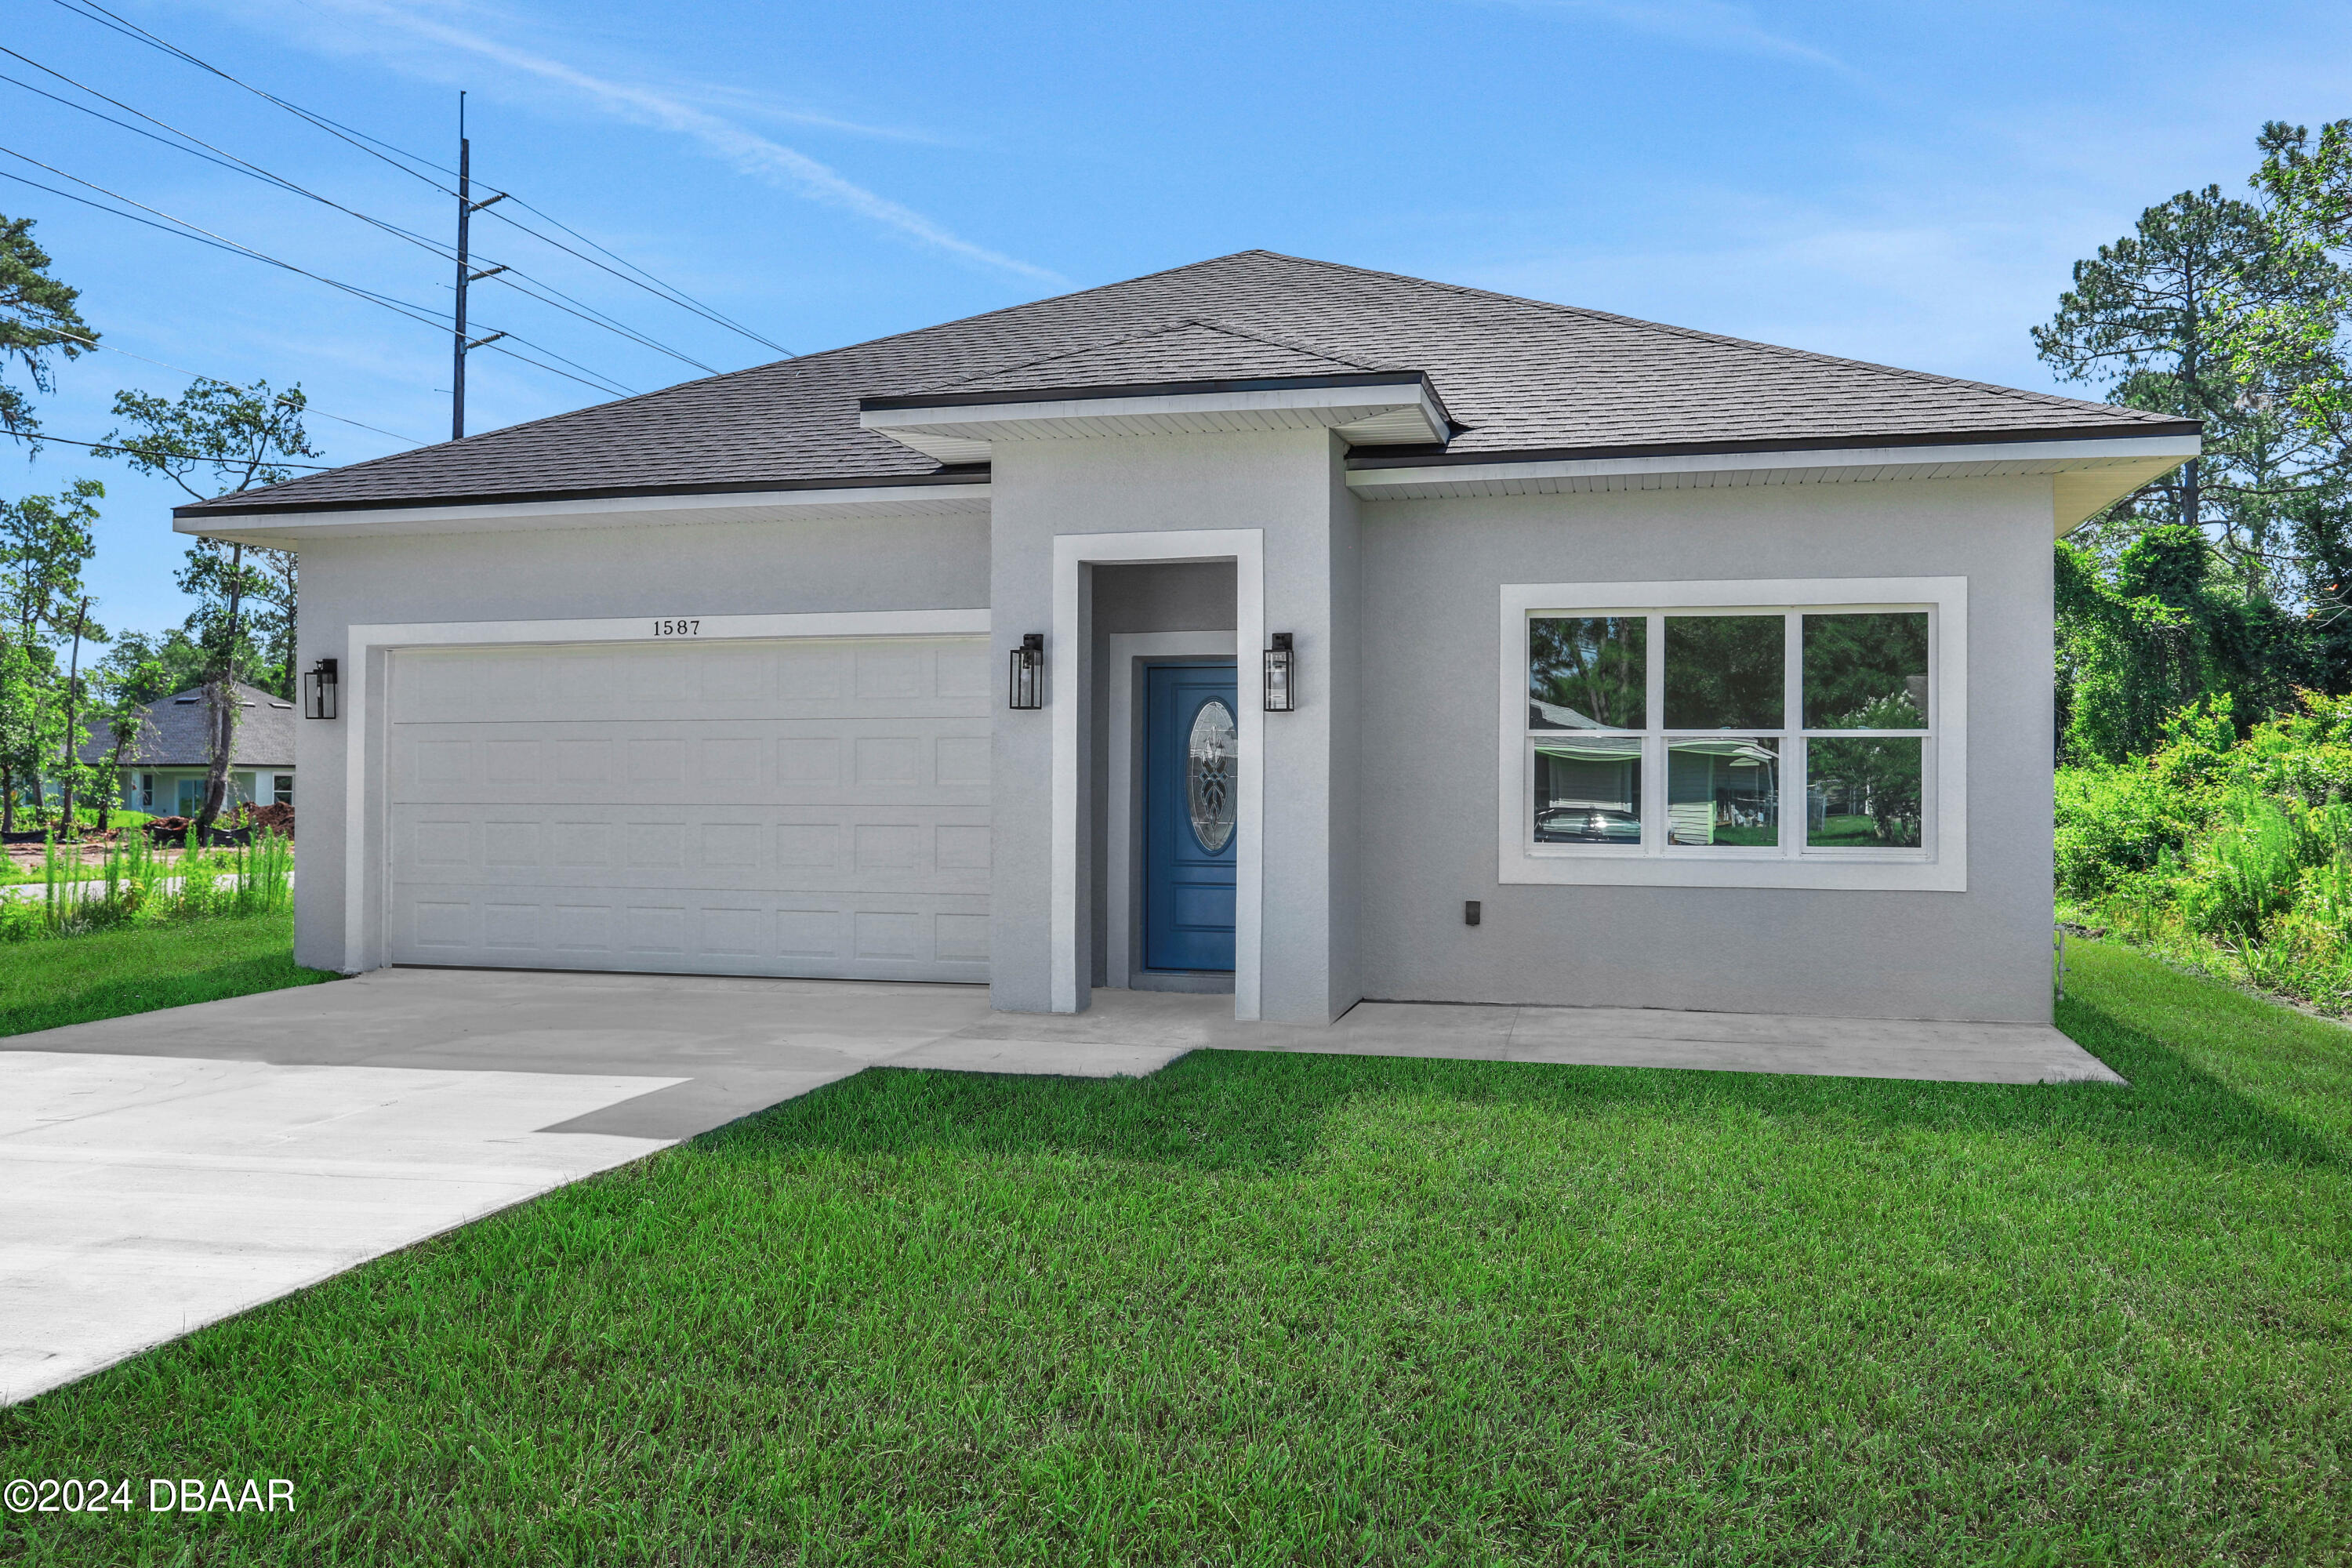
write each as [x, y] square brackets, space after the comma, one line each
[107, 974]
[1266, 1308]
[1846, 832]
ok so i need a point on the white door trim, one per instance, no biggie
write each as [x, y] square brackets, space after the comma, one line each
[367, 716]
[1119, 826]
[1067, 695]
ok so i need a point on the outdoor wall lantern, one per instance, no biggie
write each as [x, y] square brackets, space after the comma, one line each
[318, 691]
[1029, 672]
[1281, 676]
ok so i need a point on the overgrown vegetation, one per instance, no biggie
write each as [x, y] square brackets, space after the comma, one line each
[2227, 854]
[134, 885]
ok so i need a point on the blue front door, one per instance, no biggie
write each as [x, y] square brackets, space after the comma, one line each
[1191, 790]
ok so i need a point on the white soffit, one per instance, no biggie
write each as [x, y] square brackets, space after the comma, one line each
[1392, 414]
[288, 530]
[2089, 474]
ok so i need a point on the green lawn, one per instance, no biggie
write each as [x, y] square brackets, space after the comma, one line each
[73, 980]
[1265, 1308]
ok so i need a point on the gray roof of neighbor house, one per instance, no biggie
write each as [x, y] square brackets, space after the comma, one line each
[172, 733]
[1518, 377]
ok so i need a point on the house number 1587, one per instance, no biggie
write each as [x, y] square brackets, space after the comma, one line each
[678, 628]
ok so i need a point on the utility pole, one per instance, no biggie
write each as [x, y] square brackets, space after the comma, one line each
[467, 207]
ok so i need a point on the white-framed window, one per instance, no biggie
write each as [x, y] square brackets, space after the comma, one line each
[1798, 733]
[281, 789]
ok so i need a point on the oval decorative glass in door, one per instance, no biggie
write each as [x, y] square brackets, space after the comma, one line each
[1211, 761]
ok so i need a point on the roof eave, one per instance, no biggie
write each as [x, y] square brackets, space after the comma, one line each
[1382, 407]
[2088, 472]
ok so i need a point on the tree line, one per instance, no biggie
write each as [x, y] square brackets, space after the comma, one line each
[2232, 576]
[64, 676]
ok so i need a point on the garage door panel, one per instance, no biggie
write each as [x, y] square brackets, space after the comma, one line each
[812, 808]
[900, 849]
[694, 682]
[839, 762]
[698, 930]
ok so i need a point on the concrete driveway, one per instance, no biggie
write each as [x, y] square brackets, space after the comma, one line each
[168, 1170]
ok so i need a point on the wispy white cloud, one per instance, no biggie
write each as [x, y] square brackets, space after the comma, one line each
[644, 104]
[1707, 24]
[749, 105]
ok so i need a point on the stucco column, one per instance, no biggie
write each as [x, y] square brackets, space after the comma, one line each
[1312, 591]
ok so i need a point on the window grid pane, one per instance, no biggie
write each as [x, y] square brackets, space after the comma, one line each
[1874, 777]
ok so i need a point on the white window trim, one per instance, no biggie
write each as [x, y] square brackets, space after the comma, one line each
[1941, 866]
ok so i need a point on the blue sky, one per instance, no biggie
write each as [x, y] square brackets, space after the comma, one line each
[1907, 183]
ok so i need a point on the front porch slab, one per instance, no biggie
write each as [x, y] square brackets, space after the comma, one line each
[1165, 1025]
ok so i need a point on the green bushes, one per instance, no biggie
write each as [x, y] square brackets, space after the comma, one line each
[134, 885]
[2230, 855]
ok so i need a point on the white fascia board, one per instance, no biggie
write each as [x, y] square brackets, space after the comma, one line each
[287, 530]
[965, 426]
[1845, 464]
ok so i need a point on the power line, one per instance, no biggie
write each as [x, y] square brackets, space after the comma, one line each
[235, 165]
[90, 11]
[308, 408]
[188, 230]
[123, 447]
[414, 313]
[651, 284]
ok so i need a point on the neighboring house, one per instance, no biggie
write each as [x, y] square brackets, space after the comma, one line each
[170, 756]
[724, 678]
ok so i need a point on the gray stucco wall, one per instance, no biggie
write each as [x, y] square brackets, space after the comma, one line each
[797, 567]
[1280, 483]
[1379, 817]
[1431, 577]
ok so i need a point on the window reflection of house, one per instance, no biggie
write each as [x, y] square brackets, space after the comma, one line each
[1722, 792]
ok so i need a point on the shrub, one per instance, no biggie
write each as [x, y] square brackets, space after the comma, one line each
[2232, 852]
[2116, 820]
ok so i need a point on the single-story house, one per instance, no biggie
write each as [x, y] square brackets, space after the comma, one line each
[1263, 625]
[169, 757]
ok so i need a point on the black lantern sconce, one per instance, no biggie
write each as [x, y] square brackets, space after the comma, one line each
[1028, 684]
[318, 691]
[1281, 676]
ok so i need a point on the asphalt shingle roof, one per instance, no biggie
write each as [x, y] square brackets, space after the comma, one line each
[173, 732]
[1179, 351]
[1517, 376]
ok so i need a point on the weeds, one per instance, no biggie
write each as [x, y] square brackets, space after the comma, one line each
[133, 885]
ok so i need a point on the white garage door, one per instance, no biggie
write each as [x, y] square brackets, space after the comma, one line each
[817, 807]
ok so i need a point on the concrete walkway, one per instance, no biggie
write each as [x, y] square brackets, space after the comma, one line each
[168, 1170]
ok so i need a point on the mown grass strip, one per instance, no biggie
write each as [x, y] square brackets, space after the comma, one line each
[45, 985]
[1265, 1308]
